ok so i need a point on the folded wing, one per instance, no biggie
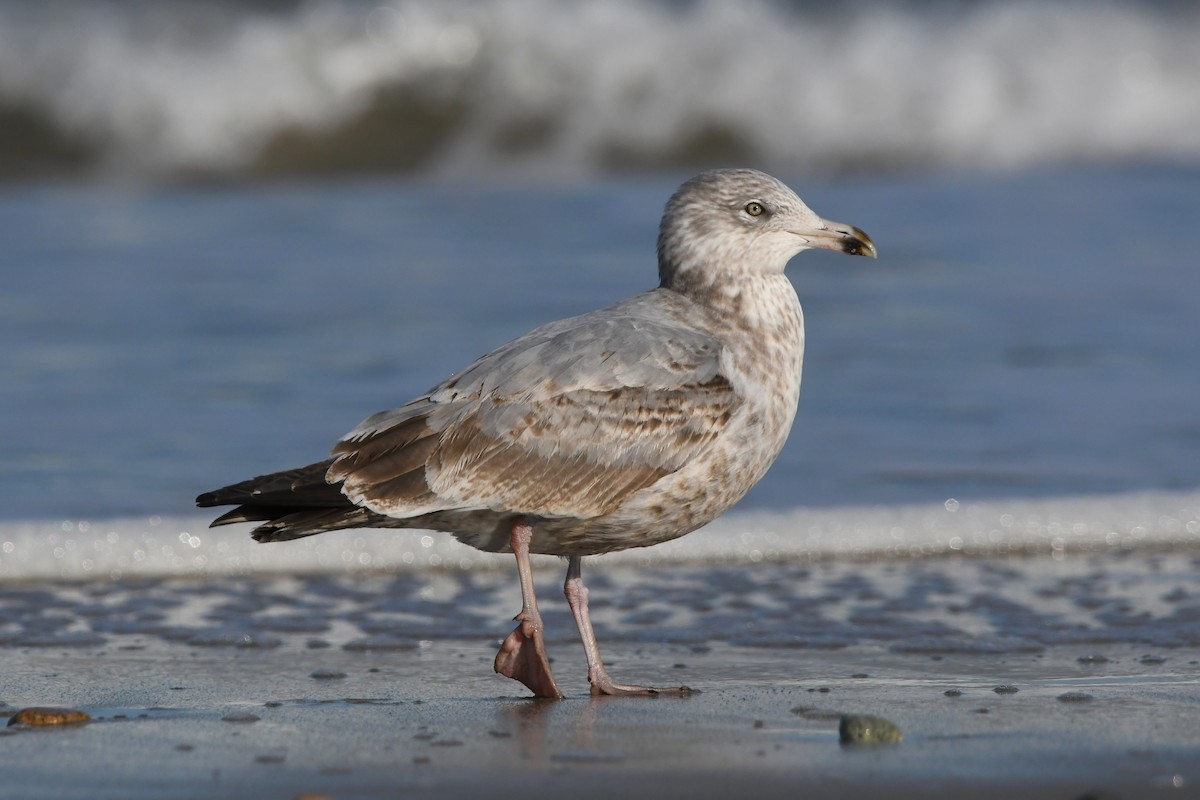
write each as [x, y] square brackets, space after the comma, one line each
[567, 421]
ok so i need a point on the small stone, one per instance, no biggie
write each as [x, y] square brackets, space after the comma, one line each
[241, 718]
[952, 693]
[327, 675]
[1075, 697]
[1006, 688]
[862, 729]
[40, 716]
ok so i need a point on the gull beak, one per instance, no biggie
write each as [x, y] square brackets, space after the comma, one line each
[839, 236]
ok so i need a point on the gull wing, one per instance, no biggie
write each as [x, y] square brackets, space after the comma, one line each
[567, 421]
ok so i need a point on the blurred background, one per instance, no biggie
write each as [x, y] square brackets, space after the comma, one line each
[247, 89]
[231, 230]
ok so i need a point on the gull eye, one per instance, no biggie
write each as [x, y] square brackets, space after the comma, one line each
[754, 208]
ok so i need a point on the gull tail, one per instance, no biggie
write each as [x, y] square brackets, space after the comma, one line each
[290, 504]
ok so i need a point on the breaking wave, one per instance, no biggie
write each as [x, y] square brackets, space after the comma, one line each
[552, 87]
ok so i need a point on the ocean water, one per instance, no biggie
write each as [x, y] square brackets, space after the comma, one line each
[240, 228]
[1030, 336]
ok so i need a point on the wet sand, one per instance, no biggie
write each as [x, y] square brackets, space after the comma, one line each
[1065, 678]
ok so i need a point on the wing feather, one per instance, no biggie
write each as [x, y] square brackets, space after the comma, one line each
[567, 421]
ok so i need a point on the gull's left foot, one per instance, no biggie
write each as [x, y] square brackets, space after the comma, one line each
[522, 657]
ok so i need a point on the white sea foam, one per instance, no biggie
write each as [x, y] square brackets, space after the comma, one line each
[1059, 528]
[549, 85]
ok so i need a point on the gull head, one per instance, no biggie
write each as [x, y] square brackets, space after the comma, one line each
[730, 222]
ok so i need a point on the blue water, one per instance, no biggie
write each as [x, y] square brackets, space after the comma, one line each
[1022, 335]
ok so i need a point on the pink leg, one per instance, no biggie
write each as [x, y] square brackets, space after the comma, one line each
[577, 596]
[522, 656]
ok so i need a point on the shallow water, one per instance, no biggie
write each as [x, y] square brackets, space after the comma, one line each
[941, 606]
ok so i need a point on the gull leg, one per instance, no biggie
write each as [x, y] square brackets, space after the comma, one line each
[577, 597]
[522, 656]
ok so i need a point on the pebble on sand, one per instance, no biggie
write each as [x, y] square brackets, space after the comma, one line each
[862, 729]
[1075, 697]
[42, 715]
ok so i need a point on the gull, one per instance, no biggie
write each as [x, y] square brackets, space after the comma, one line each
[623, 427]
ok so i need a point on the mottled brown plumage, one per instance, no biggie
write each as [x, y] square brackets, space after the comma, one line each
[625, 427]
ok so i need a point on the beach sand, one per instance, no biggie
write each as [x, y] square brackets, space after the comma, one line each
[1040, 677]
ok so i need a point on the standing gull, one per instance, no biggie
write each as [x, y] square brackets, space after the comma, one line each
[625, 427]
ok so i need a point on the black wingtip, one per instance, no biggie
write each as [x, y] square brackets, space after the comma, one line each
[231, 517]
